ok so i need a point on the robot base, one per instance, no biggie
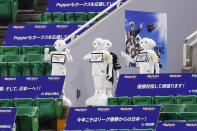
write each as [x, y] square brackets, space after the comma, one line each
[98, 99]
[66, 102]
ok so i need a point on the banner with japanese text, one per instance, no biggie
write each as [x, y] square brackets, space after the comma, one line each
[31, 87]
[121, 117]
[39, 34]
[156, 84]
[7, 118]
[177, 126]
[78, 5]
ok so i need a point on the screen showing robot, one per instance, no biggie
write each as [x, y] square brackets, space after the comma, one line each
[96, 57]
[58, 58]
[141, 57]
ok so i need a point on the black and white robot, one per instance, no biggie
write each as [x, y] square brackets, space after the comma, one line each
[100, 60]
[115, 69]
[59, 59]
[147, 60]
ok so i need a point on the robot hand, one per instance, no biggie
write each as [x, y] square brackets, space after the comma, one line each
[141, 25]
[46, 51]
[117, 75]
[109, 76]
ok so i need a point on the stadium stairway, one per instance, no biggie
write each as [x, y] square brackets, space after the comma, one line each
[25, 14]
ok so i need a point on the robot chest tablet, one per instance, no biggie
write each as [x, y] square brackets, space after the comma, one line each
[97, 58]
[58, 58]
[142, 57]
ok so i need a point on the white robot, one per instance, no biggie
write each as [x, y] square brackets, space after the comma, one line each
[100, 59]
[147, 60]
[115, 69]
[59, 59]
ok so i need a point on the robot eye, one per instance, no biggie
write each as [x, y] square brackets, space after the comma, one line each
[55, 45]
[94, 43]
[107, 44]
[145, 41]
[59, 45]
[98, 43]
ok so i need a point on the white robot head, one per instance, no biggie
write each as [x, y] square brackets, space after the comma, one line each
[60, 45]
[107, 45]
[98, 44]
[147, 44]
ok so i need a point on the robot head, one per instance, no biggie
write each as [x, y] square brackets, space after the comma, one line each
[107, 45]
[98, 44]
[60, 45]
[147, 44]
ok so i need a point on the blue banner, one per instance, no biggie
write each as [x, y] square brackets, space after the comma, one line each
[156, 85]
[177, 126]
[31, 87]
[39, 34]
[125, 117]
[7, 118]
[78, 5]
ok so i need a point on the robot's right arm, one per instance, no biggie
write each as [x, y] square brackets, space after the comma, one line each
[87, 57]
[128, 58]
[69, 56]
[47, 56]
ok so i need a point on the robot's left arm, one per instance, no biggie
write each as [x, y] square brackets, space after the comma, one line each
[139, 29]
[109, 61]
[69, 56]
[155, 59]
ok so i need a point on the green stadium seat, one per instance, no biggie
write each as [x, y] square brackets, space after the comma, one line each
[27, 119]
[9, 50]
[5, 103]
[100, 130]
[168, 116]
[48, 17]
[13, 58]
[8, 9]
[34, 58]
[69, 16]
[26, 69]
[14, 69]
[37, 22]
[192, 121]
[80, 16]
[26, 50]
[27, 102]
[100, 18]
[175, 121]
[59, 108]
[124, 130]
[188, 116]
[51, 48]
[173, 108]
[48, 69]
[3, 69]
[37, 68]
[113, 101]
[186, 99]
[190, 108]
[91, 15]
[142, 100]
[164, 100]
[124, 101]
[47, 107]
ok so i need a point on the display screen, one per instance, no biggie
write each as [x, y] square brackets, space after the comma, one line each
[96, 57]
[58, 58]
[142, 57]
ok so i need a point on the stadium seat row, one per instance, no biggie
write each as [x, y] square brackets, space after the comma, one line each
[49, 108]
[24, 50]
[9, 8]
[69, 17]
[25, 69]
[148, 100]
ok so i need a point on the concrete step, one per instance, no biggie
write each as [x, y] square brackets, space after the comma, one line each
[27, 18]
[26, 11]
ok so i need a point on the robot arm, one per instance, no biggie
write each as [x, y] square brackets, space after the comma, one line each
[47, 56]
[155, 59]
[69, 56]
[87, 57]
[117, 73]
[109, 60]
[128, 58]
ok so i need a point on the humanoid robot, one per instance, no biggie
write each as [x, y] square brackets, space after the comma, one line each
[59, 59]
[115, 69]
[100, 59]
[147, 59]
